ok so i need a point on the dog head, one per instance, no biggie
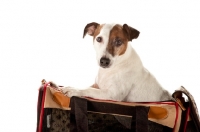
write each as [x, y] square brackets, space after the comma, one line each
[110, 41]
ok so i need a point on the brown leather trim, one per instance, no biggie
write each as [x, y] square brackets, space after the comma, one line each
[157, 113]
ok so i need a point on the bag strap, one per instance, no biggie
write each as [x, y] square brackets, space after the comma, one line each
[78, 115]
[192, 108]
[140, 119]
[80, 106]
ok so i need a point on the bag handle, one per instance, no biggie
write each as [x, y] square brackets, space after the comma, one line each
[78, 115]
[80, 106]
[140, 119]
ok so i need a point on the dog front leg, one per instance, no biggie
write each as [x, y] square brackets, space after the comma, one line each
[103, 94]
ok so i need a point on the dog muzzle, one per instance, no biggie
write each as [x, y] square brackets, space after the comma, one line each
[104, 62]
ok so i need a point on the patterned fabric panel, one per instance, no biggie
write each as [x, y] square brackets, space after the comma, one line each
[60, 121]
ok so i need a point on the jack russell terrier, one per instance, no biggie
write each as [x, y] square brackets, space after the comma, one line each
[121, 75]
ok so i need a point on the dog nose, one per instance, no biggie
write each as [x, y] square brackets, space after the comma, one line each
[104, 62]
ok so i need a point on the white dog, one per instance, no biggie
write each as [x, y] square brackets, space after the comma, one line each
[121, 75]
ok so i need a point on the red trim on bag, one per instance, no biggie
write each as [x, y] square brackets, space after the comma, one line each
[169, 103]
[186, 120]
[42, 107]
[177, 112]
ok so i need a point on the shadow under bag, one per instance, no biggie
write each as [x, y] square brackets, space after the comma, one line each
[58, 113]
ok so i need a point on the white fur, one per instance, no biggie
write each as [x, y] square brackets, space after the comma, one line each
[101, 47]
[125, 80]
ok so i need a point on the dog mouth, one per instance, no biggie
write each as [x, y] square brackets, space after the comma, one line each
[104, 62]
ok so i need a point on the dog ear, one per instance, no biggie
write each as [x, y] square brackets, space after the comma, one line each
[90, 29]
[130, 32]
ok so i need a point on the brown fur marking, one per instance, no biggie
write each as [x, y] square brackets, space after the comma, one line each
[117, 33]
[97, 31]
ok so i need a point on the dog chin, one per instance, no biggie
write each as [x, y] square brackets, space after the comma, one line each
[104, 66]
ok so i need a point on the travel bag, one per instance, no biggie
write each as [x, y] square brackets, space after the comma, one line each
[58, 113]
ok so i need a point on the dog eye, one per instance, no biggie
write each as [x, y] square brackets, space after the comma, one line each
[118, 42]
[99, 39]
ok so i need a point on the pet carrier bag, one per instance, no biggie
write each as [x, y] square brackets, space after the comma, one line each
[58, 113]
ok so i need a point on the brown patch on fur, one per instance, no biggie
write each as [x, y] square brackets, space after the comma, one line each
[90, 28]
[117, 34]
[97, 31]
[130, 32]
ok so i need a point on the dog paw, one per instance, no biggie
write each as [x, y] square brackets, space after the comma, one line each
[69, 91]
[54, 85]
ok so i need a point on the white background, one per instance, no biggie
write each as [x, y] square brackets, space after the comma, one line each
[43, 39]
